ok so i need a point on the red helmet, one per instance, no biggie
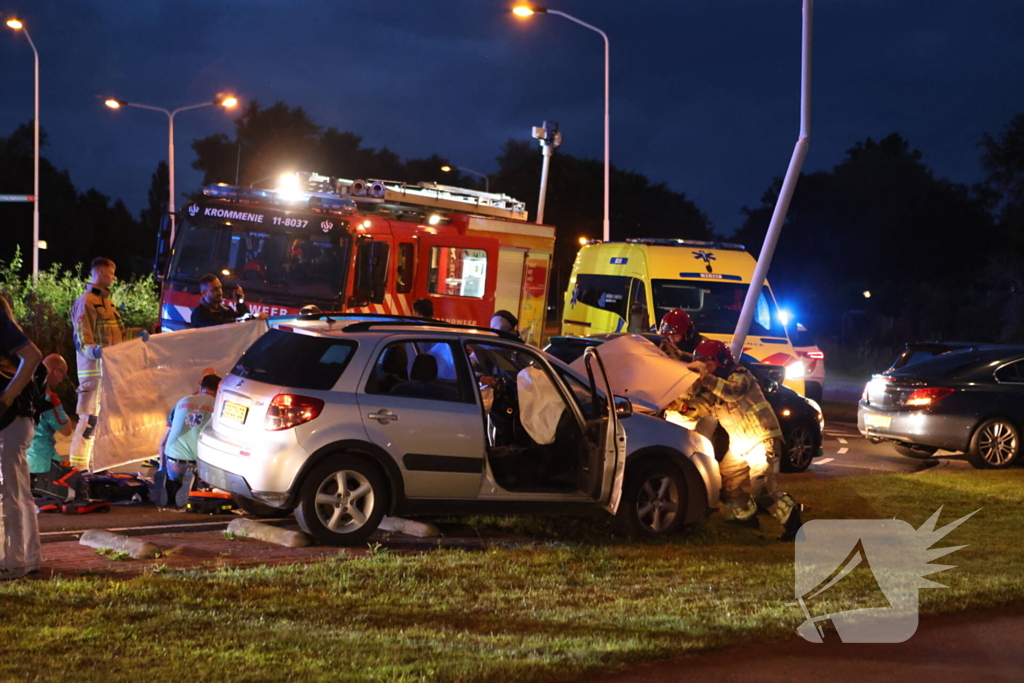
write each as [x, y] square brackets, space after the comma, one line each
[677, 321]
[712, 349]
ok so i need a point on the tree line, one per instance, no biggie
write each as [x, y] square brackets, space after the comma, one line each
[940, 259]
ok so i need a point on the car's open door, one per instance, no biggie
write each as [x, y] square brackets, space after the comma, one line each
[606, 440]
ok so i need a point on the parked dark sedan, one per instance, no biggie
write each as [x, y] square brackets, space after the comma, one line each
[968, 399]
[800, 418]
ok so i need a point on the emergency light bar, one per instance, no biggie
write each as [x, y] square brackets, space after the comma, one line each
[665, 242]
[314, 201]
[325, 193]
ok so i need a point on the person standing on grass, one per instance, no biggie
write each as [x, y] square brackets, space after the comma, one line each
[97, 325]
[19, 530]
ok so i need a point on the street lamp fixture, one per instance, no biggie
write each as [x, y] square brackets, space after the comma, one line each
[529, 10]
[19, 26]
[487, 181]
[226, 101]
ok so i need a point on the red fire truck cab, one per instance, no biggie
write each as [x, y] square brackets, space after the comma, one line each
[362, 246]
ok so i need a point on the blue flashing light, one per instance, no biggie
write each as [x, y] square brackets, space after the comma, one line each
[785, 317]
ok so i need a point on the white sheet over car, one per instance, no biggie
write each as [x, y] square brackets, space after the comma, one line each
[142, 381]
[640, 371]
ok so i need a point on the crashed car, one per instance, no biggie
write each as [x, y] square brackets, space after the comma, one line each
[345, 419]
[800, 418]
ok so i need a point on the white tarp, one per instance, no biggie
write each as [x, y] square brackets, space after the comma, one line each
[640, 371]
[143, 380]
[540, 404]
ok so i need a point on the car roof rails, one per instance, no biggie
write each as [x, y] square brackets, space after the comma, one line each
[330, 315]
[367, 325]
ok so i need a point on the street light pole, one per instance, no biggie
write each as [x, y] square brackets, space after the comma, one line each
[19, 26]
[525, 11]
[487, 181]
[223, 101]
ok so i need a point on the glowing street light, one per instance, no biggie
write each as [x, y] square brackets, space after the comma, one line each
[19, 26]
[487, 181]
[867, 294]
[529, 10]
[226, 101]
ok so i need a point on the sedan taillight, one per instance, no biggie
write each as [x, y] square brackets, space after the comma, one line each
[288, 410]
[927, 396]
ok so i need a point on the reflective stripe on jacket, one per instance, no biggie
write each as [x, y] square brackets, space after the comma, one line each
[739, 405]
[97, 323]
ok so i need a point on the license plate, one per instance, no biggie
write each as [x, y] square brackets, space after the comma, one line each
[882, 421]
[234, 411]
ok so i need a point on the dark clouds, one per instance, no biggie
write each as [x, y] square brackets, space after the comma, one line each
[704, 94]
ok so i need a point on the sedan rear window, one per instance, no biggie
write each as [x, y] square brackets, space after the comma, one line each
[295, 360]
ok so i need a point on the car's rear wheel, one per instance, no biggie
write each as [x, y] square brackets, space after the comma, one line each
[995, 444]
[800, 449]
[342, 500]
[654, 500]
[914, 451]
[258, 509]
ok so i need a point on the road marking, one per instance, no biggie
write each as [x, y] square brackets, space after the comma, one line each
[841, 440]
[842, 450]
[822, 461]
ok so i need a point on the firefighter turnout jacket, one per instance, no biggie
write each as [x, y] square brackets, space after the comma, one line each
[737, 402]
[97, 324]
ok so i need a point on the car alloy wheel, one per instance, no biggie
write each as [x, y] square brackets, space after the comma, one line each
[799, 450]
[343, 500]
[654, 499]
[995, 444]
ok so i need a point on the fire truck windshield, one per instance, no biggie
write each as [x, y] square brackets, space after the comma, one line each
[301, 265]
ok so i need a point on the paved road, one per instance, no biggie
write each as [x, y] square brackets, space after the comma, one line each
[847, 453]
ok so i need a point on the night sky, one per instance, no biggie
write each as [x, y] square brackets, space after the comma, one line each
[704, 95]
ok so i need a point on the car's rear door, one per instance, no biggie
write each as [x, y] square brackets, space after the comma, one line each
[415, 402]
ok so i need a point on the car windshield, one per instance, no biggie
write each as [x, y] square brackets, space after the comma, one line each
[308, 265]
[715, 306]
[296, 361]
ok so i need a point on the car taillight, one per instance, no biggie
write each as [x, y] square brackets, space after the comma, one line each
[815, 355]
[928, 396]
[288, 410]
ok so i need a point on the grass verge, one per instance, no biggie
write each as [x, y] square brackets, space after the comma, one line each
[581, 603]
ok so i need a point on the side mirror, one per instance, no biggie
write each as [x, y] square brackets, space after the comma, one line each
[623, 407]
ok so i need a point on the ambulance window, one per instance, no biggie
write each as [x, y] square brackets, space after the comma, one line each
[403, 272]
[639, 320]
[456, 271]
[607, 292]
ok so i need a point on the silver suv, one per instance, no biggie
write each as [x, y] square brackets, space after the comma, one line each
[346, 419]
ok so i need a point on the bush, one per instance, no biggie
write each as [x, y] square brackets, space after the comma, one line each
[43, 307]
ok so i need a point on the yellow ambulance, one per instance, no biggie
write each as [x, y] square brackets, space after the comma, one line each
[628, 287]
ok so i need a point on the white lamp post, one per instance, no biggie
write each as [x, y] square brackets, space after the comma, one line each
[225, 101]
[487, 181]
[19, 26]
[527, 10]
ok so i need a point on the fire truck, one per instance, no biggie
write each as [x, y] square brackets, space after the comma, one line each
[363, 246]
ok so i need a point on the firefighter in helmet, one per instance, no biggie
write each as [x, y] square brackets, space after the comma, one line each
[730, 393]
[680, 335]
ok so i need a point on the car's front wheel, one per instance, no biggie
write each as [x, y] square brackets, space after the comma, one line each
[914, 451]
[342, 500]
[800, 449]
[995, 444]
[654, 499]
